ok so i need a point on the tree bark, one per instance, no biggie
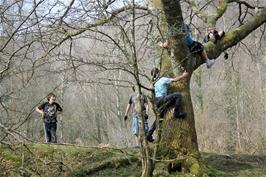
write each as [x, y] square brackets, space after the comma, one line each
[178, 148]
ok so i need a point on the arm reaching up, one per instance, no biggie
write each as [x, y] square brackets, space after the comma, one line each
[178, 78]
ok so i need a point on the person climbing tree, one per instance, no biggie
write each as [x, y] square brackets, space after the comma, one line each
[49, 110]
[163, 100]
[194, 46]
[135, 122]
[213, 35]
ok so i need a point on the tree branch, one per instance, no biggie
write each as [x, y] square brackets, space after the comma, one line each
[246, 4]
[211, 19]
[235, 36]
[198, 11]
[17, 29]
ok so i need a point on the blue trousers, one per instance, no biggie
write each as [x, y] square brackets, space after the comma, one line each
[50, 132]
[135, 125]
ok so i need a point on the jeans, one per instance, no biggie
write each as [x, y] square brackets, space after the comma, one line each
[162, 104]
[50, 132]
[135, 125]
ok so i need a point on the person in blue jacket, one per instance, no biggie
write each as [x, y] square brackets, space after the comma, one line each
[164, 100]
[194, 46]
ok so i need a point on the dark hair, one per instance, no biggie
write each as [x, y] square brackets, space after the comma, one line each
[154, 72]
[50, 95]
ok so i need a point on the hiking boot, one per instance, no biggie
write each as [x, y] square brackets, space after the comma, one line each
[225, 55]
[150, 139]
[209, 63]
[180, 115]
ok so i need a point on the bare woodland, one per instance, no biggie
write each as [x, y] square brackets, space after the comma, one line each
[90, 54]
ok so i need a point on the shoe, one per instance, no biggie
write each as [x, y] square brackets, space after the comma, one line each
[225, 55]
[222, 34]
[209, 63]
[150, 139]
[180, 115]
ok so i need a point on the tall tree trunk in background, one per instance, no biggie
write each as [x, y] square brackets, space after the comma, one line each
[237, 92]
[105, 121]
[229, 110]
[61, 117]
[118, 96]
[119, 112]
[231, 102]
[97, 117]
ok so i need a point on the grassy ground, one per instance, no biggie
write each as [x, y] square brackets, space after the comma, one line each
[61, 160]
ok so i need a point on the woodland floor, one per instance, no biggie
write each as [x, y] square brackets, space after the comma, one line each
[65, 160]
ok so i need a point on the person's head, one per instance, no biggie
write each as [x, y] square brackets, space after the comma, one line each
[155, 72]
[210, 29]
[51, 97]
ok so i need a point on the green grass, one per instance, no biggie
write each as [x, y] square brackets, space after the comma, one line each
[61, 160]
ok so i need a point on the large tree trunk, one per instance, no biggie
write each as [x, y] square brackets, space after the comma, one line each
[178, 148]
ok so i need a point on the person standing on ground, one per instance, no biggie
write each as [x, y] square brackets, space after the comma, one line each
[134, 98]
[48, 111]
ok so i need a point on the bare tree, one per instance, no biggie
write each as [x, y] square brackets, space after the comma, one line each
[87, 42]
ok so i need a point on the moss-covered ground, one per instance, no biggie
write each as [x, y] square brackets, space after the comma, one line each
[64, 160]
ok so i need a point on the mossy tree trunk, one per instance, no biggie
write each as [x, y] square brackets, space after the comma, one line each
[178, 148]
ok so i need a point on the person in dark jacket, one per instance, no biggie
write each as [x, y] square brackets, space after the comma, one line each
[134, 98]
[48, 111]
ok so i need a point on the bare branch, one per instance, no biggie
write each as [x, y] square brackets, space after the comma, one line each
[17, 29]
[235, 36]
[210, 20]
[246, 4]
[14, 133]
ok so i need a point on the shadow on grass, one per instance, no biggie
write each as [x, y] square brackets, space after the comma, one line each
[234, 163]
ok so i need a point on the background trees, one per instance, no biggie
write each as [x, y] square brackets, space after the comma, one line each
[82, 51]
